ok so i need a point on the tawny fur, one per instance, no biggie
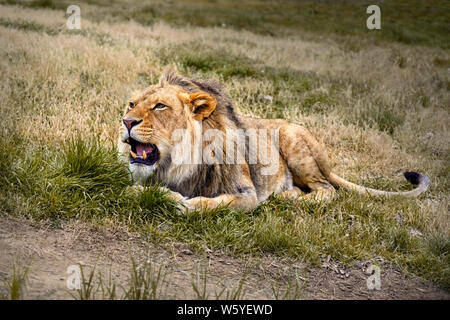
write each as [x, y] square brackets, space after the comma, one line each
[199, 105]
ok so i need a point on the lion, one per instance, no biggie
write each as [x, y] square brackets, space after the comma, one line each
[192, 107]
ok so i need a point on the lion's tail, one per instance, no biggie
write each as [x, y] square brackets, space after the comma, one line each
[415, 178]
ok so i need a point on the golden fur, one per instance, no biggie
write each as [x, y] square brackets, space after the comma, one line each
[199, 105]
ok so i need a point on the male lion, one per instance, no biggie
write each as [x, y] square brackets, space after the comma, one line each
[194, 107]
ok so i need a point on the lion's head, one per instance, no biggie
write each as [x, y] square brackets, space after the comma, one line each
[153, 115]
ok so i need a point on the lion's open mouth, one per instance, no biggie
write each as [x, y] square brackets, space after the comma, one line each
[145, 153]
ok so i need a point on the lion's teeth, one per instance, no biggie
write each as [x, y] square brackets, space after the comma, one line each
[144, 155]
[128, 140]
[133, 154]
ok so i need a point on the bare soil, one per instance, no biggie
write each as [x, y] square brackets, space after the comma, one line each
[49, 251]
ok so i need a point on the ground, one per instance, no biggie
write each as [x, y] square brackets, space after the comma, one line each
[51, 251]
[378, 100]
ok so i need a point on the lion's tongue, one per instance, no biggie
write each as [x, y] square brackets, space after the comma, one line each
[140, 148]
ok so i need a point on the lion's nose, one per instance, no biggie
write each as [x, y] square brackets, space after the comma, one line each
[130, 123]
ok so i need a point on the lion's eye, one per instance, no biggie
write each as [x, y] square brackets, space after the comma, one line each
[159, 106]
[130, 104]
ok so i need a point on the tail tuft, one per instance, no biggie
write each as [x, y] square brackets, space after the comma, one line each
[416, 178]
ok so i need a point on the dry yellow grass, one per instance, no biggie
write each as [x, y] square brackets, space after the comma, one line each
[57, 83]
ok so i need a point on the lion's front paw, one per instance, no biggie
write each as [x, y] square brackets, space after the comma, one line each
[199, 203]
[135, 189]
[177, 197]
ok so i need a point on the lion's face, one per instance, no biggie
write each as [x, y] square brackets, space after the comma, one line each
[153, 115]
[149, 122]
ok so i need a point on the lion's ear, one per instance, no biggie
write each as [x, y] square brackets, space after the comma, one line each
[201, 104]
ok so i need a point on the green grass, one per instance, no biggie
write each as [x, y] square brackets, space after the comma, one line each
[78, 180]
[411, 22]
[84, 180]
[194, 56]
[406, 21]
[290, 89]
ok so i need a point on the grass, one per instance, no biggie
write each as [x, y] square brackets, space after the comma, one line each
[410, 22]
[15, 286]
[290, 291]
[291, 88]
[149, 281]
[379, 101]
[145, 282]
[85, 181]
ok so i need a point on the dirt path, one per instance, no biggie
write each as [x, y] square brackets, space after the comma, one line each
[50, 251]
